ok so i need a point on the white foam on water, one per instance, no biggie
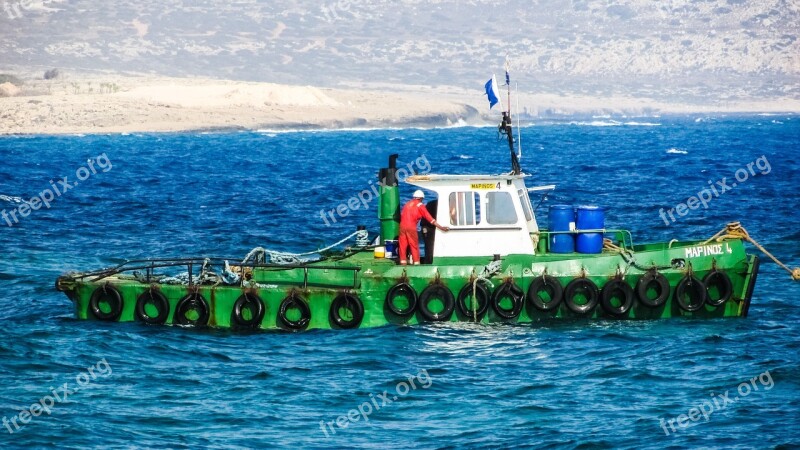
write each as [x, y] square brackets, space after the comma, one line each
[597, 123]
[614, 123]
[11, 199]
[460, 123]
[275, 131]
[642, 124]
[677, 151]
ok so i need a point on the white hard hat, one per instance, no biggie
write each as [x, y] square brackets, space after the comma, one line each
[419, 194]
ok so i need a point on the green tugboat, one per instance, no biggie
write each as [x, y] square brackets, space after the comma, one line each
[491, 263]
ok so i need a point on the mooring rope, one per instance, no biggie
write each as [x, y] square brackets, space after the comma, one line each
[207, 276]
[627, 256]
[229, 277]
[735, 230]
[259, 254]
[488, 271]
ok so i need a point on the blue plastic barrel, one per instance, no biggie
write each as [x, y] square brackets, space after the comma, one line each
[562, 218]
[590, 218]
[391, 249]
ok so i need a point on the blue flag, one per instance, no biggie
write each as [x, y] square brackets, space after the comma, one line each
[492, 92]
[507, 66]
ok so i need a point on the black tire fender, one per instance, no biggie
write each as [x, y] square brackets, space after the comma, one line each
[440, 291]
[481, 296]
[723, 283]
[292, 301]
[353, 304]
[589, 289]
[244, 301]
[511, 290]
[406, 290]
[616, 288]
[157, 299]
[652, 279]
[550, 285]
[108, 294]
[690, 293]
[193, 301]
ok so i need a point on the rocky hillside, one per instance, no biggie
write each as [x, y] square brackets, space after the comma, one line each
[702, 51]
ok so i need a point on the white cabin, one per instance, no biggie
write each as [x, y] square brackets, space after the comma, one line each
[487, 214]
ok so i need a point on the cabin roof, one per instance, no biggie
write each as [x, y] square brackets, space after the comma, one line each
[414, 179]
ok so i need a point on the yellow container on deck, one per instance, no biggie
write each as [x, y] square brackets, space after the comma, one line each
[380, 252]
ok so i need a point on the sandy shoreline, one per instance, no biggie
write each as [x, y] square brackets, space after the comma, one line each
[133, 104]
[87, 104]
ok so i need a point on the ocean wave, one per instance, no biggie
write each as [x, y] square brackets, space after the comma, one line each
[677, 151]
[276, 131]
[460, 123]
[457, 124]
[613, 123]
[642, 124]
[597, 123]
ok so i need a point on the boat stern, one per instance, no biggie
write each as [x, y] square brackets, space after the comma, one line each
[750, 283]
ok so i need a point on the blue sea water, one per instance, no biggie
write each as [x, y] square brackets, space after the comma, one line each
[573, 384]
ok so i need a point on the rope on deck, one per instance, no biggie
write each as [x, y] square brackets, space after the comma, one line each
[488, 271]
[260, 254]
[627, 255]
[735, 230]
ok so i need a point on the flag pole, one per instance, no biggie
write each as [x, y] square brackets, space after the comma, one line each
[515, 168]
[493, 94]
[508, 87]
[519, 127]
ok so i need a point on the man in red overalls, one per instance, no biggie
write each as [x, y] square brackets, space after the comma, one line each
[412, 213]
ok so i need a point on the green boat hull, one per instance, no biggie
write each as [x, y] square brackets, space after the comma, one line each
[331, 293]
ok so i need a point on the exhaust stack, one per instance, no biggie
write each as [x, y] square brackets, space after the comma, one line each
[389, 204]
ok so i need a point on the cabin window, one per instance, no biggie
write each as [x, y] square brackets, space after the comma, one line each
[500, 209]
[464, 208]
[526, 204]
